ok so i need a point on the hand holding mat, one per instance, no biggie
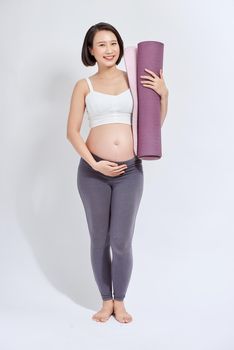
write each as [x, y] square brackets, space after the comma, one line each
[146, 123]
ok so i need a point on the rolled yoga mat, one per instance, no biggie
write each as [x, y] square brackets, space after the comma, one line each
[147, 106]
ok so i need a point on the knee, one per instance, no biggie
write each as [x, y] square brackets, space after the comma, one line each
[99, 240]
[120, 246]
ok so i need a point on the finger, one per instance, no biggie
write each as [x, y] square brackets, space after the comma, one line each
[149, 79]
[147, 76]
[118, 171]
[156, 76]
[121, 167]
[112, 164]
[113, 175]
[150, 71]
[148, 85]
[147, 82]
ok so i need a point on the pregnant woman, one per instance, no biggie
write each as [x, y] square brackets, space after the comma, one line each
[110, 175]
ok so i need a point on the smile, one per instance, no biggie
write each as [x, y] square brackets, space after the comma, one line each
[109, 58]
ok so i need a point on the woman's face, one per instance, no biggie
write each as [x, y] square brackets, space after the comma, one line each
[105, 48]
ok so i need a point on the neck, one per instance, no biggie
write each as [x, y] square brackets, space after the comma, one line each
[108, 72]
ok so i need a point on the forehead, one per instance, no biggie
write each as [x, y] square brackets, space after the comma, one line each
[104, 36]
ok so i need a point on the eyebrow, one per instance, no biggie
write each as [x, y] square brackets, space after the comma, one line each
[104, 41]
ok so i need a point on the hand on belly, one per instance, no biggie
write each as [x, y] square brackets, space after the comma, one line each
[111, 141]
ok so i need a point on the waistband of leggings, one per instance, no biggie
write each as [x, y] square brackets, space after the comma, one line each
[130, 161]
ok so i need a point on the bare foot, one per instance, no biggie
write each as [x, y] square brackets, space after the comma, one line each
[120, 312]
[105, 312]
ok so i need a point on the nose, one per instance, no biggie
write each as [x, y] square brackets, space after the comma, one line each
[108, 49]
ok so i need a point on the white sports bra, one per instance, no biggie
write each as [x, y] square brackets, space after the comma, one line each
[105, 108]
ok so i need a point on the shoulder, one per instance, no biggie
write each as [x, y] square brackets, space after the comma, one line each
[125, 74]
[81, 87]
[81, 83]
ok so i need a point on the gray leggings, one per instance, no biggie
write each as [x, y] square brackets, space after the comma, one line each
[111, 205]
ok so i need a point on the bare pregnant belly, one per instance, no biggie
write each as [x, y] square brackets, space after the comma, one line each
[111, 141]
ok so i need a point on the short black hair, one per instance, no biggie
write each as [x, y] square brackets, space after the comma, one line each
[86, 56]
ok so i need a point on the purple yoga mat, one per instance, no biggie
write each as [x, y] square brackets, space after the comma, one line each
[146, 121]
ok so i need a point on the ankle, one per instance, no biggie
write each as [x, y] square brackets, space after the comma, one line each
[118, 302]
[109, 301]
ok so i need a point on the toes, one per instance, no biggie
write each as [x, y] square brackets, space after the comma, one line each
[95, 319]
[124, 319]
[103, 319]
[100, 318]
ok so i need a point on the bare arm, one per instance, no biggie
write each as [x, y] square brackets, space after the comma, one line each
[164, 106]
[75, 118]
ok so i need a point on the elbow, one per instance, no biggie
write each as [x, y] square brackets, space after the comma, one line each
[70, 134]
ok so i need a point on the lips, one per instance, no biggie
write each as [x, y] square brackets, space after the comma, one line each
[109, 58]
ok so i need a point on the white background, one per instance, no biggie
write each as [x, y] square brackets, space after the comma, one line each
[181, 291]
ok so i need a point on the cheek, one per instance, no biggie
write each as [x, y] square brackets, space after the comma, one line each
[99, 51]
[117, 50]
